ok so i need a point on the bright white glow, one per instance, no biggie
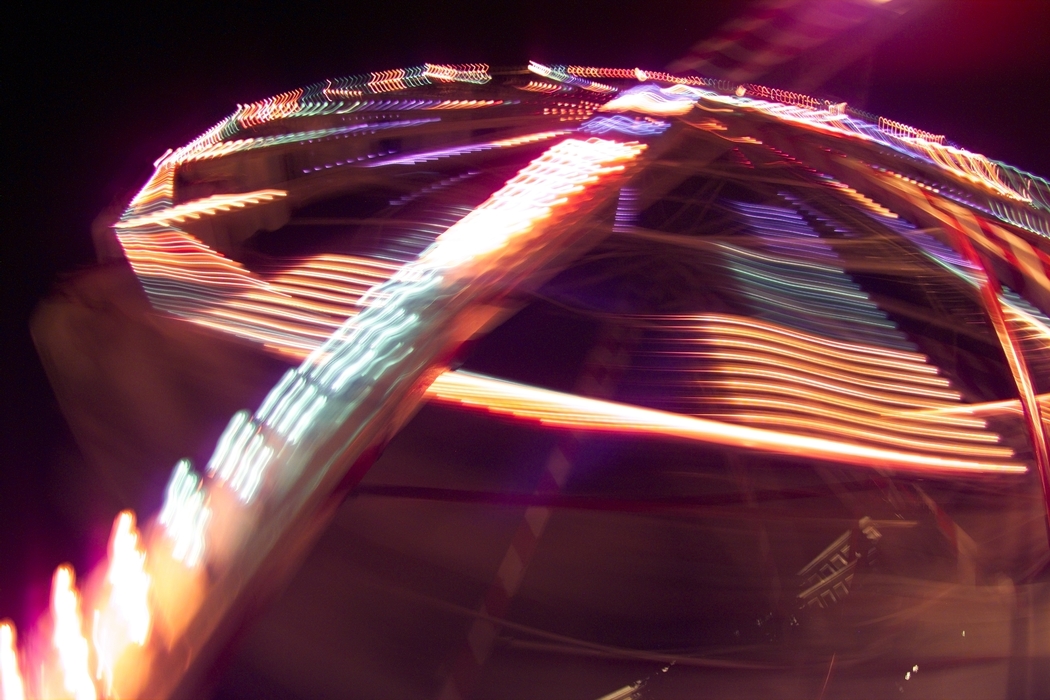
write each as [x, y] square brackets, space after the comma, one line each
[11, 686]
[185, 515]
[68, 637]
[651, 99]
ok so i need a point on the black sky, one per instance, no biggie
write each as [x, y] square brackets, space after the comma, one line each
[93, 96]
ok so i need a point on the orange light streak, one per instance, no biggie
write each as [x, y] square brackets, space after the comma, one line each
[469, 72]
[637, 74]
[815, 419]
[560, 410]
[754, 329]
[549, 88]
[761, 373]
[201, 207]
[277, 107]
[125, 618]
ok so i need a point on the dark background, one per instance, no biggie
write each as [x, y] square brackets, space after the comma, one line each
[91, 97]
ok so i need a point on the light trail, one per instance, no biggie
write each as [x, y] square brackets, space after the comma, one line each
[547, 88]
[812, 383]
[625, 125]
[185, 516]
[972, 167]
[201, 207]
[426, 156]
[225, 148]
[639, 75]
[559, 74]
[198, 522]
[125, 618]
[650, 99]
[374, 339]
[555, 409]
[361, 324]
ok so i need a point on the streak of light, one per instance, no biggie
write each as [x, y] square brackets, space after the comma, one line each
[991, 295]
[639, 75]
[964, 164]
[650, 99]
[625, 125]
[11, 685]
[544, 87]
[125, 619]
[68, 638]
[185, 515]
[560, 410]
[406, 78]
[426, 156]
[356, 355]
[477, 73]
[180, 267]
[202, 207]
[225, 148]
[769, 374]
[158, 192]
[277, 107]
[990, 408]
[559, 74]
[1015, 251]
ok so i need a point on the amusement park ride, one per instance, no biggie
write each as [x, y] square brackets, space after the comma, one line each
[577, 347]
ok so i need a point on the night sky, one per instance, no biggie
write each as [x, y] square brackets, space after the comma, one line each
[97, 95]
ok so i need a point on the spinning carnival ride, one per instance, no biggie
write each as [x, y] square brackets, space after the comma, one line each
[704, 311]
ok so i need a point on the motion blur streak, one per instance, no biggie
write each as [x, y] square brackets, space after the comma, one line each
[185, 516]
[765, 373]
[125, 618]
[559, 74]
[470, 148]
[625, 125]
[11, 686]
[973, 167]
[225, 148]
[812, 367]
[375, 340]
[560, 410]
[651, 99]
[638, 74]
[68, 637]
[202, 207]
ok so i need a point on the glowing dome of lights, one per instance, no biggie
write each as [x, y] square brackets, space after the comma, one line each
[692, 354]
